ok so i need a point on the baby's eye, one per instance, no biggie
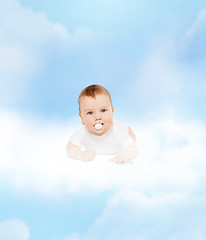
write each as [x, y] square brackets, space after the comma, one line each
[103, 110]
[90, 113]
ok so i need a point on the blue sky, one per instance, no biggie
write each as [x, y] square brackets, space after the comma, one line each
[151, 57]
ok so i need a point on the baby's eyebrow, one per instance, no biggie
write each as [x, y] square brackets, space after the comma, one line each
[88, 110]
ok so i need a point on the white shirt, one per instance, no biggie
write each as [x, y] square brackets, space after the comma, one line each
[113, 141]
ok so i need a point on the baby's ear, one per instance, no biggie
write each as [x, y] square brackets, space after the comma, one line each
[81, 118]
[112, 109]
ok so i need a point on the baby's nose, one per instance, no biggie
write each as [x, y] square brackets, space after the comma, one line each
[98, 116]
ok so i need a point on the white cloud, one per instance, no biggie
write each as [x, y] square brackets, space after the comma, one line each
[26, 39]
[198, 25]
[160, 78]
[194, 41]
[27, 26]
[14, 229]
[166, 79]
[33, 31]
[33, 157]
[133, 215]
[16, 65]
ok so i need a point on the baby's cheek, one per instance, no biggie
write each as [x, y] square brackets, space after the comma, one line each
[109, 117]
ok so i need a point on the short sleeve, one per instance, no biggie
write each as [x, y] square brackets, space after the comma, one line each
[77, 137]
[122, 135]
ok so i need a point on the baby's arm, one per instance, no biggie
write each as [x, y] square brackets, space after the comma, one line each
[76, 153]
[129, 153]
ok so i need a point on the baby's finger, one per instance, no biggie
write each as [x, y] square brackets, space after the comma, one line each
[112, 159]
[128, 161]
[120, 161]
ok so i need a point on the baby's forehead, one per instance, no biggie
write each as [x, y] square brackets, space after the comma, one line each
[101, 99]
[98, 97]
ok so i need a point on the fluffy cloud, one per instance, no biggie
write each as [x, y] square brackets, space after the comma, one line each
[14, 229]
[27, 27]
[195, 39]
[32, 31]
[171, 75]
[160, 77]
[133, 215]
[198, 25]
[22, 38]
[28, 40]
[162, 194]
[33, 157]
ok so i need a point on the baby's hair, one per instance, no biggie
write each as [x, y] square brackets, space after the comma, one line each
[93, 91]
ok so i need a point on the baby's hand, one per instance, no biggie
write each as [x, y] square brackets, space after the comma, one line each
[88, 155]
[121, 159]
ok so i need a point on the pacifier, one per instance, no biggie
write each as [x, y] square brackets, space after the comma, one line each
[98, 126]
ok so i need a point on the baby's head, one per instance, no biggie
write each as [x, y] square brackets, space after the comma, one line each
[95, 109]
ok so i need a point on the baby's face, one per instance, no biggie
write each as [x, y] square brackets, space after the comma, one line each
[94, 111]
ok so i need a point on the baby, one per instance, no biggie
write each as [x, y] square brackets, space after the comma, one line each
[99, 133]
